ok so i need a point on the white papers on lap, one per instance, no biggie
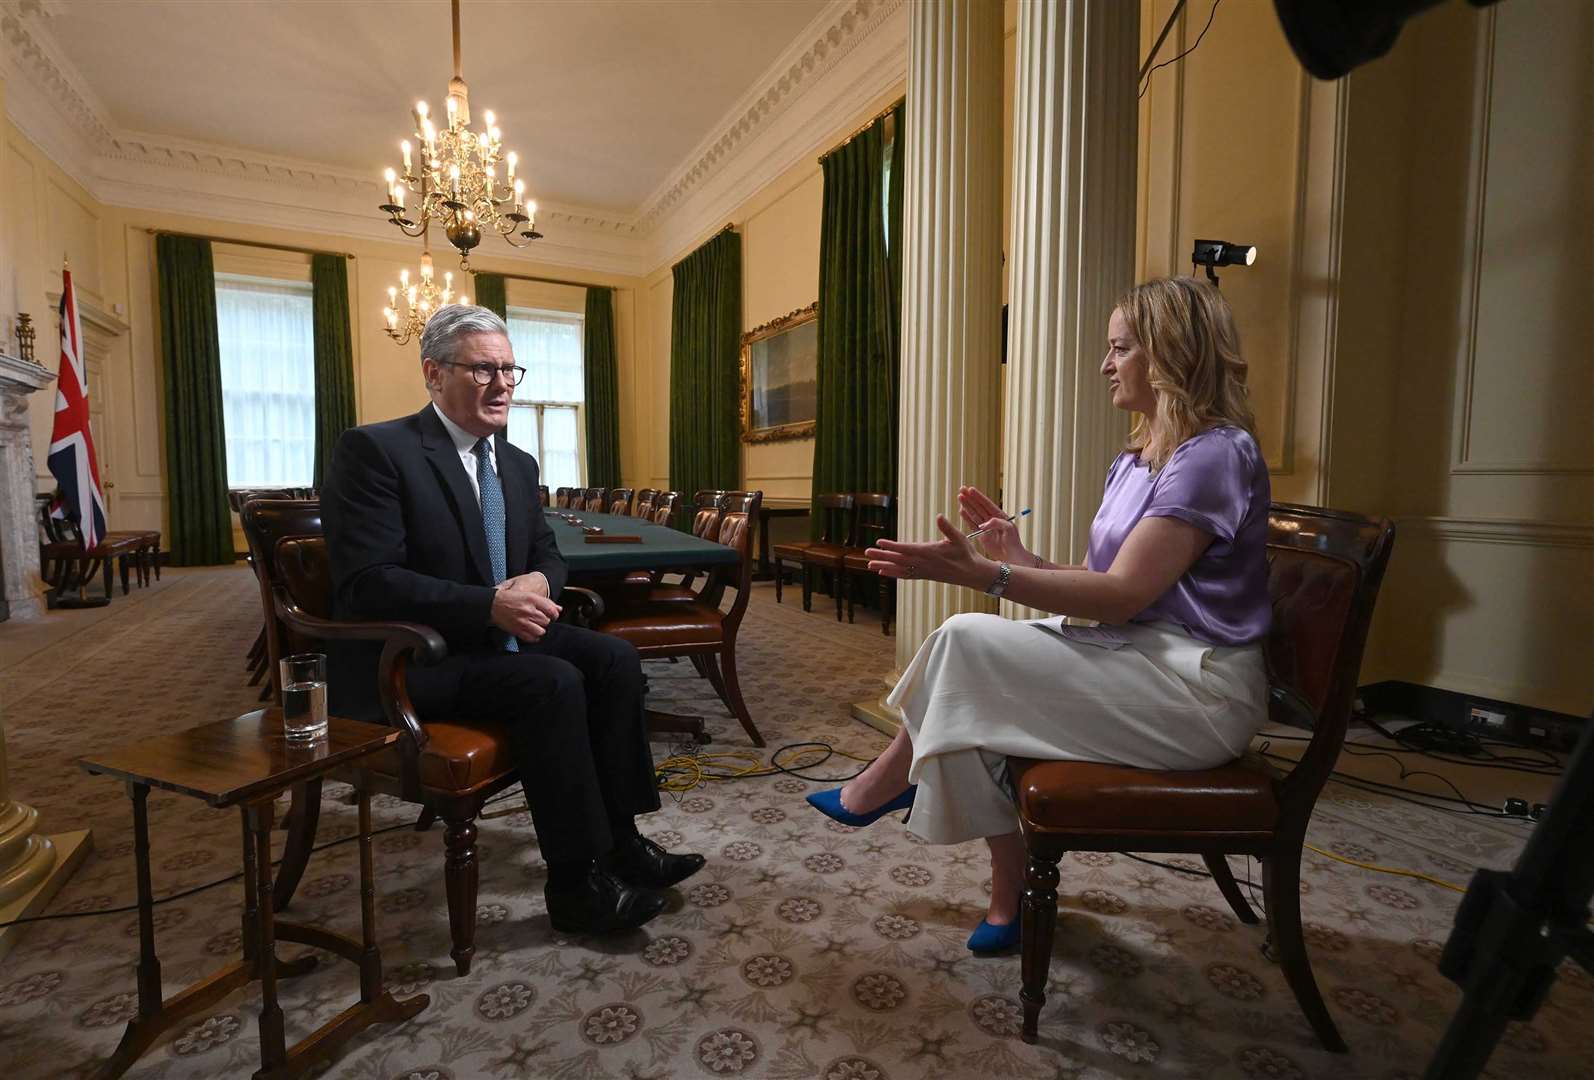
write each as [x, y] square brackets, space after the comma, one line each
[1103, 637]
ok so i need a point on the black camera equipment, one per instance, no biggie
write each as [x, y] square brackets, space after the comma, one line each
[1211, 253]
[1513, 929]
[1330, 37]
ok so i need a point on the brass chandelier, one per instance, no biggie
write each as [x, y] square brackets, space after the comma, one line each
[411, 304]
[456, 181]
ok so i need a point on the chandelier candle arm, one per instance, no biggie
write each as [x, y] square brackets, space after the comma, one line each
[453, 172]
[411, 304]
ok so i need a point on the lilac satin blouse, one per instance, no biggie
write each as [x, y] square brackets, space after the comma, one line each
[1218, 482]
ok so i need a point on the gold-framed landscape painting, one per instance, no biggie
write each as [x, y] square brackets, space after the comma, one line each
[780, 377]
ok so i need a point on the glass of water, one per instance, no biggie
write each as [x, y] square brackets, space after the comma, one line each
[304, 696]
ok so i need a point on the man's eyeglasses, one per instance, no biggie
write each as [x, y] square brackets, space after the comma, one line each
[484, 373]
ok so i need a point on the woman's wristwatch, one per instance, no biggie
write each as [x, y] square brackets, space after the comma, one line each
[996, 588]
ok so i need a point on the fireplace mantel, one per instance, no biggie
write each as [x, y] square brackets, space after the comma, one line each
[20, 587]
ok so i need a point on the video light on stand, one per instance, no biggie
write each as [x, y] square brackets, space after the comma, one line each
[1214, 253]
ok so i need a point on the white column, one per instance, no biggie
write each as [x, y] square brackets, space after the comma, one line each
[1072, 255]
[951, 285]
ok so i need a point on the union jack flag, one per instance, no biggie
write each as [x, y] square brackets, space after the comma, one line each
[72, 459]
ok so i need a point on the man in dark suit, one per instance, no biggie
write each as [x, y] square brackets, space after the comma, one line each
[436, 518]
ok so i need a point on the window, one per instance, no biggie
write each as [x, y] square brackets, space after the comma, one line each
[267, 380]
[545, 414]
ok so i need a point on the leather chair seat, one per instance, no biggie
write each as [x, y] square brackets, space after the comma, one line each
[826, 555]
[1091, 797]
[668, 626]
[457, 757]
[121, 543]
[791, 549]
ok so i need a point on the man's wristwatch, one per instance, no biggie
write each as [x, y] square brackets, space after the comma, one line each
[999, 586]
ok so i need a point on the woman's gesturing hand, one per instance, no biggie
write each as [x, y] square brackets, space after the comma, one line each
[952, 559]
[1000, 541]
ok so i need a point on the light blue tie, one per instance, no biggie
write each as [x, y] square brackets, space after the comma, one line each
[493, 520]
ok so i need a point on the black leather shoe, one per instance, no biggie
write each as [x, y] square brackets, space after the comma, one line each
[602, 905]
[639, 861]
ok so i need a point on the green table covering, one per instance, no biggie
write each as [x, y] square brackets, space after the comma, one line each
[662, 548]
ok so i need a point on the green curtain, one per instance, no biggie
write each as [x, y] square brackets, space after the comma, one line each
[490, 294]
[196, 444]
[705, 339]
[860, 313]
[601, 370]
[334, 356]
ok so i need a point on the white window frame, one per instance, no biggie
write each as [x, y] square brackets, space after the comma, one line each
[288, 285]
[579, 321]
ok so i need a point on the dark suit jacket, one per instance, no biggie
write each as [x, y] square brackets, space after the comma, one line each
[404, 534]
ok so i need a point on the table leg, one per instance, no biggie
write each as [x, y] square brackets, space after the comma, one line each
[149, 968]
[251, 903]
[273, 1049]
[156, 1016]
[371, 958]
[763, 543]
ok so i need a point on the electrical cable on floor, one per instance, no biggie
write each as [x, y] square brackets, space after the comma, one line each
[1532, 766]
[1419, 875]
[1405, 794]
[1438, 739]
[127, 908]
[688, 767]
[679, 773]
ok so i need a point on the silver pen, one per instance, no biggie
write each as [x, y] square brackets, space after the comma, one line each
[985, 528]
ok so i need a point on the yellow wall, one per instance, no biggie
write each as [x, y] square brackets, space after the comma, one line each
[1417, 323]
[1482, 445]
[112, 255]
[779, 226]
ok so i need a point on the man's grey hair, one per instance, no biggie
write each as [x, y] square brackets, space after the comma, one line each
[440, 340]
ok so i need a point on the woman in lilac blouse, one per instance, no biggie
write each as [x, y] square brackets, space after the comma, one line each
[1172, 677]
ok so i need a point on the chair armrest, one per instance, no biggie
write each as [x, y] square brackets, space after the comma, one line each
[425, 643]
[582, 607]
[401, 642]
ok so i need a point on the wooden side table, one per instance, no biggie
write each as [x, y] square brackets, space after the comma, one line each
[246, 762]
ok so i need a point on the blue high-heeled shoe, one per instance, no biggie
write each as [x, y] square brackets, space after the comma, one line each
[829, 804]
[988, 940]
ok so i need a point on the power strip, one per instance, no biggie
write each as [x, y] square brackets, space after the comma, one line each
[1524, 728]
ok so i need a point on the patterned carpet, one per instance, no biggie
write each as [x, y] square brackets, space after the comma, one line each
[801, 951]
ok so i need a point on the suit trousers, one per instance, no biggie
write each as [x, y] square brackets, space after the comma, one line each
[573, 704]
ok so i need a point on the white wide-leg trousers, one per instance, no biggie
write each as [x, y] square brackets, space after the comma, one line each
[983, 688]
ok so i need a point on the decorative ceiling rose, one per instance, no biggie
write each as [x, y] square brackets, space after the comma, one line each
[411, 304]
[457, 179]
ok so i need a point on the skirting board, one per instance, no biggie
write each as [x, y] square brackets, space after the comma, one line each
[1451, 708]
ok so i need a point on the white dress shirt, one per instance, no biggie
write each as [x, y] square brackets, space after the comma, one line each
[465, 444]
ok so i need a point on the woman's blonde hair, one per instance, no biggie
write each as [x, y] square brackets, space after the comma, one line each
[1195, 367]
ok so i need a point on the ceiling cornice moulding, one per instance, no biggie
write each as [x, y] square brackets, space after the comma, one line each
[822, 45]
[33, 51]
[53, 105]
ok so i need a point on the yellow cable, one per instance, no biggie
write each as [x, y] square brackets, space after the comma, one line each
[1386, 869]
[681, 772]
